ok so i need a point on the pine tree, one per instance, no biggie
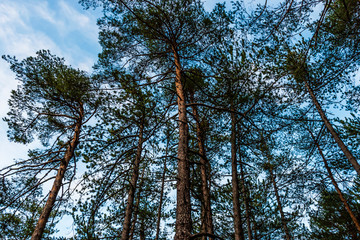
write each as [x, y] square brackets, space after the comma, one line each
[52, 103]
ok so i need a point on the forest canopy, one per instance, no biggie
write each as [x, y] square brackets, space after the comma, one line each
[236, 123]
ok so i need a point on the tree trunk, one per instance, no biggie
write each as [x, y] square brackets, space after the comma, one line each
[136, 209]
[142, 230]
[161, 195]
[183, 224]
[206, 213]
[132, 230]
[239, 232]
[40, 226]
[134, 178]
[278, 200]
[246, 201]
[341, 196]
[332, 131]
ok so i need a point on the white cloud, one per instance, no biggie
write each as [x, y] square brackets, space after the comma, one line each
[10, 12]
[17, 36]
[72, 15]
[42, 10]
[27, 26]
[86, 64]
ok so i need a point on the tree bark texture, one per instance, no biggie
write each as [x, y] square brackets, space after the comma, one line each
[239, 232]
[183, 224]
[332, 131]
[206, 213]
[133, 182]
[333, 181]
[69, 154]
[278, 200]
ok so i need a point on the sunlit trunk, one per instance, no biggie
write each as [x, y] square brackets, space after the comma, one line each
[69, 154]
[183, 224]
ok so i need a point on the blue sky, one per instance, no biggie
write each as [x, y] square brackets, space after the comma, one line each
[27, 26]
[63, 27]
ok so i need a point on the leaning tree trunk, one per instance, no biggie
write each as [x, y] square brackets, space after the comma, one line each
[133, 225]
[206, 213]
[69, 154]
[332, 131]
[136, 208]
[183, 224]
[333, 181]
[134, 178]
[278, 200]
[239, 232]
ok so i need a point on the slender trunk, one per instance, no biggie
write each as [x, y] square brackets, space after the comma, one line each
[246, 201]
[333, 181]
[132, 230]
[332, 131]
[278, 200]
[256, 236]
[136, 209]
[206, 213]
[40, 226]
[142, 230]
[161, 196]
[134, 178]
[239, 232]
[160, 203]
[183, 224]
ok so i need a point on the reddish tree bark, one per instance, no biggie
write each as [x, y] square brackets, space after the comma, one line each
[69, 154]
[183, 224]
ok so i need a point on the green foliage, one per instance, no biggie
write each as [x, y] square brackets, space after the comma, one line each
[251, 65]
[47, 100]
[331, 221]
[18, 216]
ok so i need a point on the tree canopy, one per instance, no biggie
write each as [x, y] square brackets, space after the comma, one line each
[194, 124]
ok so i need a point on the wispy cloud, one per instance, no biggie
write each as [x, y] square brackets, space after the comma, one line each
[27, 26]
[73, 16]
[17, 35]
